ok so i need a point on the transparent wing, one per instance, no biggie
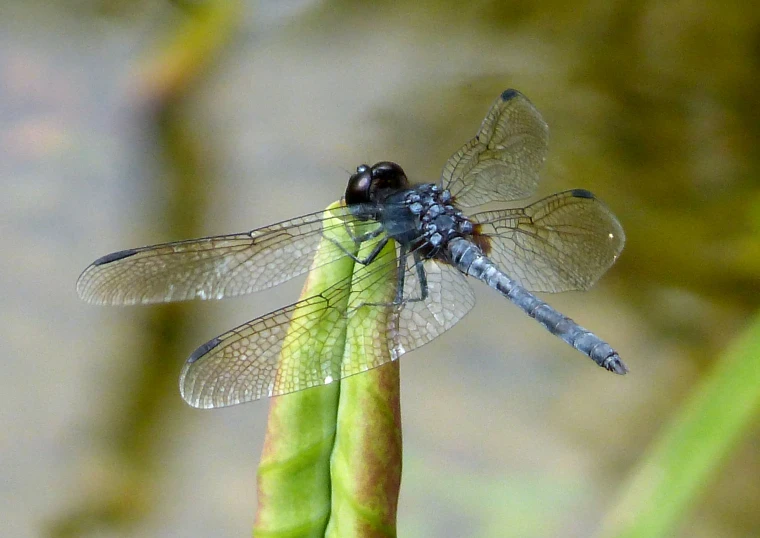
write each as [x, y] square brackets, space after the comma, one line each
[295, 347]
[305, 345]
[212, 267]
[503, 160]
[423, 318]
[563, 242]
[243, 364]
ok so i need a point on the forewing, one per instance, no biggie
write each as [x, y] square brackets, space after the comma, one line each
[212, 267]
[502, 162]
[564, 242]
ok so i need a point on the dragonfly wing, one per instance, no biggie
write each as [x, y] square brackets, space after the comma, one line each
[244, 364]
[212, 267]
[503, 160]
[564, 242]
[351, 327]
[425, 316]
[316, 341]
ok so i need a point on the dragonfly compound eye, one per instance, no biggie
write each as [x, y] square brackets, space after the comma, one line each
[388, 175]
[359, 186]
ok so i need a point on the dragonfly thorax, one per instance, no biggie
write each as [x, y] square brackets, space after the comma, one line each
[439, 220]
[422, 217]
[422, 214]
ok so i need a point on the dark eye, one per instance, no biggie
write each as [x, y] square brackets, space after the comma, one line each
[359, 186]
[389, 175]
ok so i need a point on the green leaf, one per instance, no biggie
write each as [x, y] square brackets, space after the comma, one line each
[331, 463]
[691, 450]
[366, 460]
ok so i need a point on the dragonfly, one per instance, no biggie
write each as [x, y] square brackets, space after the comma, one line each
[414, 247]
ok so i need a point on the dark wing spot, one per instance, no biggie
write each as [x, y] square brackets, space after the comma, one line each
[202, 350]
[114, 256]
[582, 193]
[506, 95]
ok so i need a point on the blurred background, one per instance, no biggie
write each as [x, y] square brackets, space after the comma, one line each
[131, 123]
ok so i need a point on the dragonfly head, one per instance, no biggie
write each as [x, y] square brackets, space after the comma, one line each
[370, 185]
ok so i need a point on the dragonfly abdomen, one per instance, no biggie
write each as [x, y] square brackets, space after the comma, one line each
[470, 259]
[560, 325]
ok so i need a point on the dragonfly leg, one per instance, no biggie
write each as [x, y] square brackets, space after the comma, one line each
[401, 280]
[366, 236]
[401, 272]
[421, 277]
[401, 275]
[372, 255]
